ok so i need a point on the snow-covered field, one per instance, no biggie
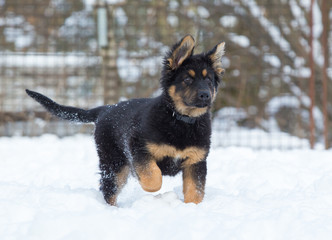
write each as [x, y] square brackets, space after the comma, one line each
[49, 190]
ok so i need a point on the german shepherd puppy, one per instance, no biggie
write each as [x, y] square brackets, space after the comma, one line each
[151, 137]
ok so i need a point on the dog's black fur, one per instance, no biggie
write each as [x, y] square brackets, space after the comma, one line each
[157, 136]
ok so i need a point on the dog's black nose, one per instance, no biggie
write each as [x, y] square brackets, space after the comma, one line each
[204, 95]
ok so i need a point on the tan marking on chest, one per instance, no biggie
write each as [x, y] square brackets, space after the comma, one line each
[191, 155]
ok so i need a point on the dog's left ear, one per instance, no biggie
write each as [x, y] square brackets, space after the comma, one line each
[215, 56]
[181, 51]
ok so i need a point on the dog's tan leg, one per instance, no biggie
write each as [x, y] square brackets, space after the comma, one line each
[194, 182]
[149, 175]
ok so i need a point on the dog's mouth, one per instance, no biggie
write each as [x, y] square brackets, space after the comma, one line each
[201, 105]
[198, 105]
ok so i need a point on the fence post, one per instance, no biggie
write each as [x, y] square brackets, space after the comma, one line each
[108, 52]
[312, 78]
[325, 19]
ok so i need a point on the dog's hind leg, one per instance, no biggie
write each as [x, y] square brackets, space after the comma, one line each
[111, 184]
[114, 172]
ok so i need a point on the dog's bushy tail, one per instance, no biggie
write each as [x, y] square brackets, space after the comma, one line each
[65, 112]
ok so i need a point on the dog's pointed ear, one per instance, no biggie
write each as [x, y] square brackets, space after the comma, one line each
[180, 52]
[215, 56]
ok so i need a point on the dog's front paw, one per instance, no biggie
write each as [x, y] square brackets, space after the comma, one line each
[150, 177]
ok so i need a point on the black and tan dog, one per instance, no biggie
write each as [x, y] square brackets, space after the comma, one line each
[157, 136]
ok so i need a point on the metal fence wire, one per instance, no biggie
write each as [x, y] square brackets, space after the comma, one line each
[52, 46]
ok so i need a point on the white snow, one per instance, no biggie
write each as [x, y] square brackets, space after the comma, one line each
[49, 190]
[273, 60]
[228, 21]
[241, 40]
[229, 134]
[271, 28]
[203, 12]
[130, 70]
[47, 60]
[17, 30]
[89, 4]
[78, 24]
[121, 17]
[282, 101]
[295, 102]
[173, 20]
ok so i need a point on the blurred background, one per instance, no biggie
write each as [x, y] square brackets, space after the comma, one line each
[277, 87]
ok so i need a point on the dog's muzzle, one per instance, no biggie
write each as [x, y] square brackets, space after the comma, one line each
[203, 99]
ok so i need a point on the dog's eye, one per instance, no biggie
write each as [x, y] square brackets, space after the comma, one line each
[188, 80]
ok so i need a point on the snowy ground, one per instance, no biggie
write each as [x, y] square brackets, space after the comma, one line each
[49, 190]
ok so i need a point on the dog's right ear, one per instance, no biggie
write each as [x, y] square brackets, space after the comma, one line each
[180, 52]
